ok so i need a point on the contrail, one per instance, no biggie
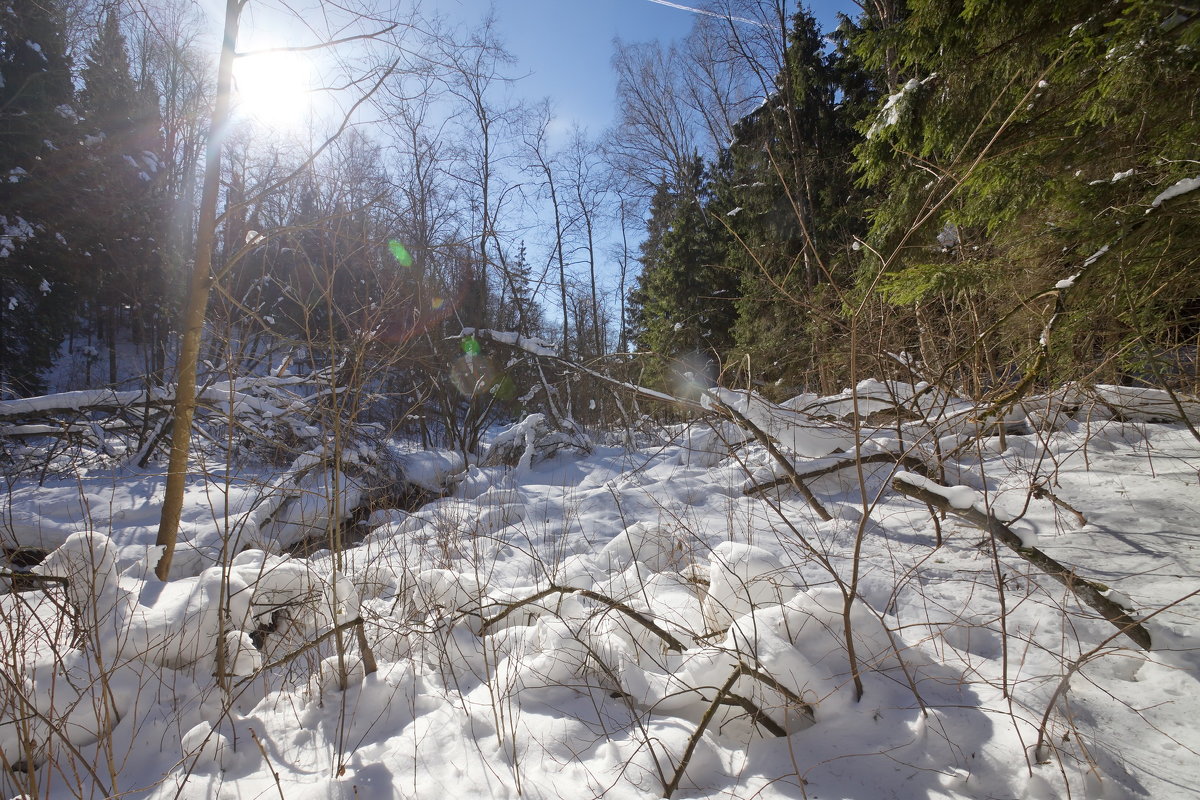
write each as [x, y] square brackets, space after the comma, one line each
[706, 12]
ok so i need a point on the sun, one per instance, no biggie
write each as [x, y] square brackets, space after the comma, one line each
[274, 88]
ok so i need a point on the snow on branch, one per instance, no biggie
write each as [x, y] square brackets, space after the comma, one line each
[110, 399]
[1176, 189]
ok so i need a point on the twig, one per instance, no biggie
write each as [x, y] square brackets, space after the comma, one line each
[635, 615]
[1039, 755]
[791, 696]
[725, 696]
[324, 637]
[792, 476]
[757, 714]
[910, 463]
[364, 647]
[1042, 493]
[670, 788]
[30, 577]
[266, 760]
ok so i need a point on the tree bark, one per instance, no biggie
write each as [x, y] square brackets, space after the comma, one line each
[197, 300]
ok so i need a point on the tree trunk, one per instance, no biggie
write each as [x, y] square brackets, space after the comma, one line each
[197, 300]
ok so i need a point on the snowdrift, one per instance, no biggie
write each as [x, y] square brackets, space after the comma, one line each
[574, 619]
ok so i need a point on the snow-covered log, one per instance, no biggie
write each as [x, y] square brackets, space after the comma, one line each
[963, 502]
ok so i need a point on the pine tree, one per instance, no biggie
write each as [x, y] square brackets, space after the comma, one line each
[788, 199]
[37, 193]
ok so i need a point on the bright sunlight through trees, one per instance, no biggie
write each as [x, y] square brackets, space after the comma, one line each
[274, 88]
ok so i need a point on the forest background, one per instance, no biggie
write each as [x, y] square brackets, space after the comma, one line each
[924, 192]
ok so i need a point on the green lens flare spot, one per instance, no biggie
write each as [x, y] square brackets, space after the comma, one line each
[401, 254]
[504, 388]
[471, 346]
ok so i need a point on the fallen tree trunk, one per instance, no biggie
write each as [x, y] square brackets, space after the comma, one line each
[1090, 593]
[910, 463]
[791, 476]
[541, 349]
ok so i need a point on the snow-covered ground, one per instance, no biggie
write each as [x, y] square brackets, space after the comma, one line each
[563, 628]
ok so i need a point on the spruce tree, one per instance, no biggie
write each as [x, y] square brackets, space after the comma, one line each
[37, 194]
[1021, 139]
[682, 308]
[788, 199]
[124, 192]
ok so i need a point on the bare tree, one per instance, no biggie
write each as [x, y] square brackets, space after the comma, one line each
[589, 192]
[428, 216]
[677, 102]
[626, 215]
[656, 134]
[544, 164]
[476, 73]
[166, 44]
[202, 277]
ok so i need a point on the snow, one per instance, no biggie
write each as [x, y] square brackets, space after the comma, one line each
[522, 434]
[560, 627]
[889, 115]
[1094, 257]
[1180, 187]
[530, 344]
[427, 468]
[13, 232]
[960, 497]
[965, 497]
[794, 430]
[741, 578]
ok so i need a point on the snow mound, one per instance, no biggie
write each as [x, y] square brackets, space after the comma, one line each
[741, 578]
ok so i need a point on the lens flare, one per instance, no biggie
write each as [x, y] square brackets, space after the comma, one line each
[400, 253]
[472, 376]
[691, 373]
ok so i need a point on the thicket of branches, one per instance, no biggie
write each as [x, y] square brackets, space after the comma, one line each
[397, 218]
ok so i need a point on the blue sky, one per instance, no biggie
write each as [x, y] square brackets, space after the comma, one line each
[563, 47]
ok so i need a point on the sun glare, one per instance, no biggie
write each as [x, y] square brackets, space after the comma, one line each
[274, 89]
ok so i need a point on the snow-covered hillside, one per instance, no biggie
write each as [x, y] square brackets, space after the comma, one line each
[673, 619]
